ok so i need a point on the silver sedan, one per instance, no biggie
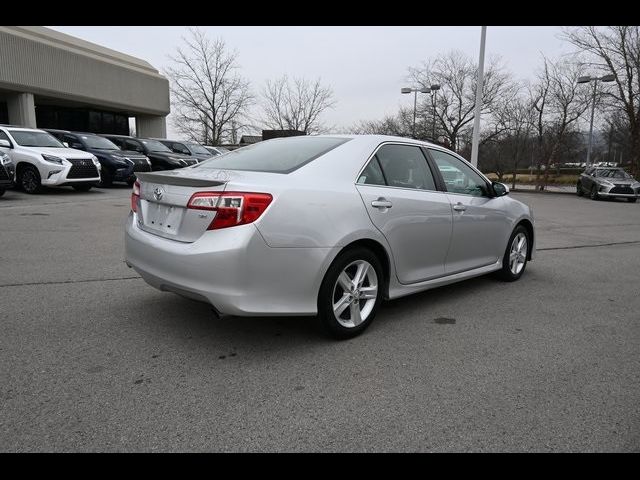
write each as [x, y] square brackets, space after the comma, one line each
[324, 225]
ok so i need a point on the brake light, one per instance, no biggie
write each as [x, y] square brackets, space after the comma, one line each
[135, 196]
[232, 208]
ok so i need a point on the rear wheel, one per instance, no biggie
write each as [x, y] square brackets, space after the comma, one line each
[82, 188]
[351, 293]
[29, 179]
[579, 189]
[516, 256]
[594, 193]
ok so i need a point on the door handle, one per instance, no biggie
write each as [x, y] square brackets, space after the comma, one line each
[458, 207]
[381, 203]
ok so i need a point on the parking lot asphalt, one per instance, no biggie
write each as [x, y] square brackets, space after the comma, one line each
[93, 359]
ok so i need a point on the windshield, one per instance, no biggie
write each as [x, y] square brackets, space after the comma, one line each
[27, 138]
[615, 173]
[155, 146]
[198, 149]
[280, 155]
[99, 143]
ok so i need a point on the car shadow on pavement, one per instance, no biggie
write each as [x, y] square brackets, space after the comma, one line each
[197, 322]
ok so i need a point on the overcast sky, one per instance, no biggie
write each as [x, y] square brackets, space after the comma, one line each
[365, 66]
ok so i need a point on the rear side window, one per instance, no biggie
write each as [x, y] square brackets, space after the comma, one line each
[402, 166]
[280, 155]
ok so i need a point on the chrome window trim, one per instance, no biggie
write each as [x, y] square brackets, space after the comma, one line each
[366, 164]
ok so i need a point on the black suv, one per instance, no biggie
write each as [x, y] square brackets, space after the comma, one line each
[161, 157]
[117, 165]
[192, 149]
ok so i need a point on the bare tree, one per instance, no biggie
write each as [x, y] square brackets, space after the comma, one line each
[558, 102]
[456, 73]
[616, 50]
[207, 93]
[296, 105]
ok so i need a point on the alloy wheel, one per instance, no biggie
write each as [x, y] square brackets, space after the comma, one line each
[518, 253]
[355, 293]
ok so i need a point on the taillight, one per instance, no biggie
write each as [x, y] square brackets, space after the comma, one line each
[135, 196]
[232, 208]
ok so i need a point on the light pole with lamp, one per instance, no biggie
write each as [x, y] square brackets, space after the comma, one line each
[434, 92]
[415, 102]
[587, 79]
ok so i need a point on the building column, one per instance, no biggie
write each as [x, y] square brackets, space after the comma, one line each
[22, 110]
[151, 126]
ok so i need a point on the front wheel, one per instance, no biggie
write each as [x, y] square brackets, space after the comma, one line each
[29, 179]
[579, 189]
[351, 293]
[516, 256]
[594, 193]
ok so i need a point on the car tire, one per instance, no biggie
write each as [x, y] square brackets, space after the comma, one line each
[514, 266]
[29, 180]
[82, 188]
[594, 193]
[631, 200]
[2, 190]
[579, 189]
[342, 301]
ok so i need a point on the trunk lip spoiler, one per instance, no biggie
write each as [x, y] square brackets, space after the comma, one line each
[177, 180]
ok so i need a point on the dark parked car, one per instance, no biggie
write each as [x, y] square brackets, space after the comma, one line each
[117, 165]
[605, 182]
[7, 171]
[192, 149]
[161, 157]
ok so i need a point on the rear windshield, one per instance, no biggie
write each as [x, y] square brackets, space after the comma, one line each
[280, 155]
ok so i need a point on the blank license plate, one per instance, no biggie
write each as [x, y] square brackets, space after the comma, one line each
[164, 218]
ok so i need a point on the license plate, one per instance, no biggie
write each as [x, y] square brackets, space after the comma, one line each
[165, 218]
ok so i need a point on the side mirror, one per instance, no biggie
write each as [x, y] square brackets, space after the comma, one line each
[500, 189]
[5, 143]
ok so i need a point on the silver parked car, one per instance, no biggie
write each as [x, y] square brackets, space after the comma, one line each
[607, 182]
[324, 225]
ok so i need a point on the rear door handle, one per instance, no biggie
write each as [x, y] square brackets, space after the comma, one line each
[458, 207]
[381, 203]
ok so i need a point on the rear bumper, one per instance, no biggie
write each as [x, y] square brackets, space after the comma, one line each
[232, 269]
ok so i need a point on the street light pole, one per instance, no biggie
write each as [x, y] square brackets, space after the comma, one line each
[415, 102]
[434, 90]
[415, 106]
[476, 121]
[587, 79]
[593, 110]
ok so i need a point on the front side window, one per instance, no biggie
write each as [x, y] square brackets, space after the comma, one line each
[458, 176]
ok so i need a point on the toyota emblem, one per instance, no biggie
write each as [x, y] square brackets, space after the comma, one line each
[157, 193]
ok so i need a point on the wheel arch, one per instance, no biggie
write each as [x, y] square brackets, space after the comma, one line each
[380, 252]
[526, 223]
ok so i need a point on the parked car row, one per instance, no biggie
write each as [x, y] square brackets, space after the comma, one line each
[35, 158]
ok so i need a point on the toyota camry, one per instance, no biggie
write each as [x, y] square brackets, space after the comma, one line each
[326, 226]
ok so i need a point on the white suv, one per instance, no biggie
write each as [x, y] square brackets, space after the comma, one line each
[41, 160]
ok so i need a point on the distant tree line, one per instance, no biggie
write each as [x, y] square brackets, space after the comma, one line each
[532, 124]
